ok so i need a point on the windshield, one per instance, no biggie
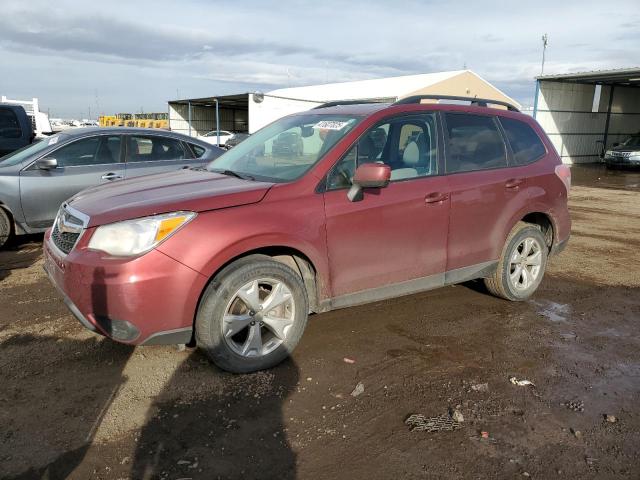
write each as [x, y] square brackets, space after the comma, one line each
[286, 149]
[18, 156]
[632, 141]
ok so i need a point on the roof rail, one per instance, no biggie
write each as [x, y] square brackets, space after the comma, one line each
[352, 102]
[480, 102]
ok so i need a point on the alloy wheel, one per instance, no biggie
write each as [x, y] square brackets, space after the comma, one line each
[525, 264]
[258, 317]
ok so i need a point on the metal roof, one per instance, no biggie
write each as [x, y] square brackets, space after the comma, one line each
[240, 100]
[382, 88]
[620, 76]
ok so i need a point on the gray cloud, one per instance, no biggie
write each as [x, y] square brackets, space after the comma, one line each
[124, 39]
[64, 51]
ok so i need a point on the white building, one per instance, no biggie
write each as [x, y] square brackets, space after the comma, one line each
[584, 113]
[252, 111]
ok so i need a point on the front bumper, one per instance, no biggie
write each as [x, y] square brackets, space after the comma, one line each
[621, 162]
[146, 300]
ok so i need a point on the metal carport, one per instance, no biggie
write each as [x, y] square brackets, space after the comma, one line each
[198, 116]
[587, 112]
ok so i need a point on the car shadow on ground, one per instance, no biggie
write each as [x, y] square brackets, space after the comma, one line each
[233, 430]
[19, 252]
[54, 409]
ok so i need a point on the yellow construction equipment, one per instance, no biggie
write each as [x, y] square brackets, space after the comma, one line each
[140, 120]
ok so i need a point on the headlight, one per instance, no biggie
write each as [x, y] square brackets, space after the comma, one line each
[134, 237]
[608, 153]
[634, 155]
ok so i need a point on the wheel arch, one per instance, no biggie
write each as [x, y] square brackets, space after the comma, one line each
[294, 258]
[534, 216]
[545, 222]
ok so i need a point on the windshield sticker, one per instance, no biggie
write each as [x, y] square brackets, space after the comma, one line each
[330, 125]
[53, 140]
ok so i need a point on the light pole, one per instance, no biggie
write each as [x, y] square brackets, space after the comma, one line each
[545, 42]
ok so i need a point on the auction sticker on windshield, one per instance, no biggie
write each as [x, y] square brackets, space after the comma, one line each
[331, 125]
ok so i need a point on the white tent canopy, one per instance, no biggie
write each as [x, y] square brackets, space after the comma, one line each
[278, 103]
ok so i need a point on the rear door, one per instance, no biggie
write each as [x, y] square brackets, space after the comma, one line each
[485, 191]
[393, 234]
[83, 163]
[148, 154]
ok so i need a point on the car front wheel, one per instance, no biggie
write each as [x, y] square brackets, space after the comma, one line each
[5, 227]
[521, 265]
[252, 314]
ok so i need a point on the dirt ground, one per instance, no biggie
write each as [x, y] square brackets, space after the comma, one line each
[75, 405]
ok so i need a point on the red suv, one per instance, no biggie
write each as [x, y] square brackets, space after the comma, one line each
[380, 201]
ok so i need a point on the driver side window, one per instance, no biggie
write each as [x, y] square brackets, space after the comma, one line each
[407, 144]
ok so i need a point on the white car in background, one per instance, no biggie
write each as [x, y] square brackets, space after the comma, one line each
[212, 137]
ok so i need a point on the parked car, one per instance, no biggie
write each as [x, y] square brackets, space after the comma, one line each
[288, 144]
[35, 180]
[16, 130]
[212, 137]
[235, 257]
[235, 139]
[625, 154]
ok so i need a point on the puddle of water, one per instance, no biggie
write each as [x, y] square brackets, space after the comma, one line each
[556, 312]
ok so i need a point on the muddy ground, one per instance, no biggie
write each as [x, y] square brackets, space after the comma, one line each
[78, 406]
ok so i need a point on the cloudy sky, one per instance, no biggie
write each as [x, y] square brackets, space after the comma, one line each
[122, 56]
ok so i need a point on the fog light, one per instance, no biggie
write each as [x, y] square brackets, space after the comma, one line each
[118, 329]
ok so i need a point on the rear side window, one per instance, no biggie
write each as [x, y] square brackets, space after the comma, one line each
[475, 143]
[154, 148]
[198, 151]
[9, 125]
[525, 143]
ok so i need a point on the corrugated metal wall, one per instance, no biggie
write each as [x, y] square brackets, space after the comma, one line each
[203, 119]
[565, 113]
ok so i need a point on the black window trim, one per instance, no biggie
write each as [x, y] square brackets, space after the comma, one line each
[322, 185]
[506, 139]
[507, 148]
[190, 147]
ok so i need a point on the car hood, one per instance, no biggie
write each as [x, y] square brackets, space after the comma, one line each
[191, 190]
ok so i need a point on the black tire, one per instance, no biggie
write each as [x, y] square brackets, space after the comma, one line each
[500, 283]
[218, 294]
[5, 227]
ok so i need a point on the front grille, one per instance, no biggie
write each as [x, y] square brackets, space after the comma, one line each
[66, 231]
[65, 241]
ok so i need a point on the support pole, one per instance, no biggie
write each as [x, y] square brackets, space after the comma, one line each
[217, 122]
[189, 103]
[535, 99]
[606, 124]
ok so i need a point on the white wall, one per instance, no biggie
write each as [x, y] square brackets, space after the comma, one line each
[273, 108]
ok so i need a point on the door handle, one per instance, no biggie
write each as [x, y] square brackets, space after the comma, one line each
[514, 183]
[111, 176]
[436, 197]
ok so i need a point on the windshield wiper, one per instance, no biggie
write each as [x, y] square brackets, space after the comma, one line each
[231, 173]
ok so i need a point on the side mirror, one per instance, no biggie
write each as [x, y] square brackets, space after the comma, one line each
[47, 163]
[369, 175]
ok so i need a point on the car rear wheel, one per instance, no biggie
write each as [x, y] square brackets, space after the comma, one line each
[252, 314]
[5, 227]
[521, 265]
